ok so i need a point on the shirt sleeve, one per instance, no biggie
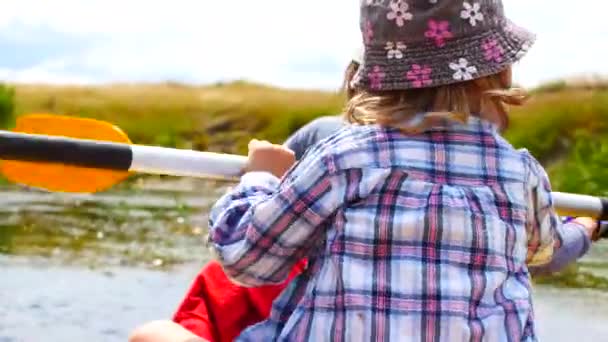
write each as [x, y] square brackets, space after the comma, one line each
[302, 139]
[312, 133]
[575, 243]
[262, 228]
[544, 229]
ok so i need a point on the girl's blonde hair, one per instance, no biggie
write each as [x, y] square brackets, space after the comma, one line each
[349, 74]
[414, 110]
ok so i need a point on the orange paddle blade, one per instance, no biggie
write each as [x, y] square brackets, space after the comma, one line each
[58, 177]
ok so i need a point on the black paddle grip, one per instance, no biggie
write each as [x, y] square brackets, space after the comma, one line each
[604, 214]
[68, 151]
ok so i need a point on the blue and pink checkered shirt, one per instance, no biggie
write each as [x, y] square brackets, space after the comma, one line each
[425, 237]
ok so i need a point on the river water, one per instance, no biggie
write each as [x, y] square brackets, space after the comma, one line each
[91, 268]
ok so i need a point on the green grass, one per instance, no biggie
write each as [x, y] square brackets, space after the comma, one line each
[564, 125]
[7, 105]
[218, 118]
[566, 130]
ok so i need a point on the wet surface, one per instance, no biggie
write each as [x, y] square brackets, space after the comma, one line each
[146, 225]
[91, 268]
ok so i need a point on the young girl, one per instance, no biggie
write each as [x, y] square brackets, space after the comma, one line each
[420, 223]
[215, 309]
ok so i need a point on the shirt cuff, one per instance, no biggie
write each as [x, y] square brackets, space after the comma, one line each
[574, 244]
[579, 232]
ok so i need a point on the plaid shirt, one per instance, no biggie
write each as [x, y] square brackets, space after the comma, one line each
[423, 237]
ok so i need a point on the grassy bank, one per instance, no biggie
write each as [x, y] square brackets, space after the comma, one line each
[566, 130]
[564, 126]
[219, 118]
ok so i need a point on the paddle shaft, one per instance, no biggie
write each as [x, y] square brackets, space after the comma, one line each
[118, 156]
[178, 162]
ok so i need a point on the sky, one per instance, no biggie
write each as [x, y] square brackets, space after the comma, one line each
[287, 43]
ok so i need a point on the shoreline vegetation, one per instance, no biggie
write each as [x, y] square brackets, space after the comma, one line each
[564, 124]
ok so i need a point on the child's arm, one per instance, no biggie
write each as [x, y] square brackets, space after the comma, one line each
[575, 243]
[265, 226]
[546, 234]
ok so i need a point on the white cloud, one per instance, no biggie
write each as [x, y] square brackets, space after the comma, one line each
[266, 40]
[200, 40]
[570, 38]
[49, 73]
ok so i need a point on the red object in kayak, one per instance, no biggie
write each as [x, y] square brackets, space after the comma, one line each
[218, 310]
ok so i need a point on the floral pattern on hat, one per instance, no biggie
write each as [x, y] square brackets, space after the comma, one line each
[419, 75]
[399, 12]
[426, 43]
[493, 51]
[395, 50]
[463, 71]
[376, 76]
[472, 13]
[438, 31]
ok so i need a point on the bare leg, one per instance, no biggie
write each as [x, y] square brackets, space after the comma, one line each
[163, 331]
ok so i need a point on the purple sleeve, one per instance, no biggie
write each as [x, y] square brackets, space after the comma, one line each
[574, 244]
[264, 226]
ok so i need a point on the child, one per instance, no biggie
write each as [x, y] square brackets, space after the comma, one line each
[418, 224]
[215, 309]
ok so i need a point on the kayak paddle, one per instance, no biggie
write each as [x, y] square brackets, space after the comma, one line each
[70, 154]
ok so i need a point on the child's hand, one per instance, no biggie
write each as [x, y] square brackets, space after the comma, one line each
[264, 156]
[591, 226]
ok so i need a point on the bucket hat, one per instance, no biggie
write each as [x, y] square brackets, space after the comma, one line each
[427, 43]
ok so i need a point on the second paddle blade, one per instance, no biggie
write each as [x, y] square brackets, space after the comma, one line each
[58, 177]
